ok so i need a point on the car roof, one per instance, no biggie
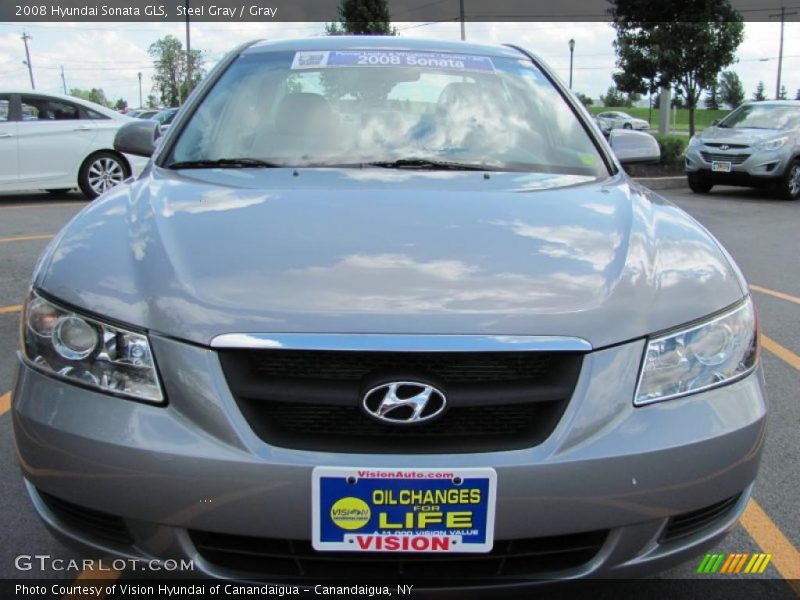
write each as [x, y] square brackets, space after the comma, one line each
[378, 42]
[109, 112]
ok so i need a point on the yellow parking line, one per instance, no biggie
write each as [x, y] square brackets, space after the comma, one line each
[765, 533]
[5, 403]
[14, 308]
[23, 238]
[784, 354]
[96, 576]
[781, 295]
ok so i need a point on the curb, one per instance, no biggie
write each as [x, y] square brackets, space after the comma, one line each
[663, 183]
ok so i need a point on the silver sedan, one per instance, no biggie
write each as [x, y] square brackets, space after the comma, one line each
[388, 306]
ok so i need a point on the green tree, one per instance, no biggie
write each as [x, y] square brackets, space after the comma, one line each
[362, 17]
[657, 45]
[731, 90]
[783, 95]
[95, 95]
[171, 62]
[759, 94]
[121, 104]
[712, 96]
[585, 100]
[613, 97]
[632, 98]
[152, 102]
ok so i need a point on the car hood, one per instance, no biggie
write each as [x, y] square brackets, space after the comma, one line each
[724, 135]
[196, 254]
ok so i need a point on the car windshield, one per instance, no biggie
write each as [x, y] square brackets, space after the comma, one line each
[755, 116]
[395, 108]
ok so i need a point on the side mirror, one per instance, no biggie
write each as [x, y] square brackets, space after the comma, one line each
[634, 146]
[137, 138]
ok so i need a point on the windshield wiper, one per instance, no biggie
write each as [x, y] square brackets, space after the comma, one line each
[429, 163]
[224, 163]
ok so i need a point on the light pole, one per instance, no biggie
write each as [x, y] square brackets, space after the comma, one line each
[571, 54]
[783, 14]
[188, 52]
[25, 38]
[461, 18]
[140, 90]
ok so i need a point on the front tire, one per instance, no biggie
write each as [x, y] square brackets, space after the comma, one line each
[627, 126]
[699, 183]
[101, 172]
[788, 186]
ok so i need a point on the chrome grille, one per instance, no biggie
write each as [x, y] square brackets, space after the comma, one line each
[734, 159]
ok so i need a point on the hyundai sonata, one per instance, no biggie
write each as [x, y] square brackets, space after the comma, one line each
[389, 308]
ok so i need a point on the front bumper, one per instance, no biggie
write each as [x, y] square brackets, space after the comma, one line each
[196, 466]
[757, 166]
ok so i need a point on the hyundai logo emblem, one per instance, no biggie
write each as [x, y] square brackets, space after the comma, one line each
[725, 147]
[404, 402]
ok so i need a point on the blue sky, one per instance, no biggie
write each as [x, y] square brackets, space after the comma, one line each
[109, 55]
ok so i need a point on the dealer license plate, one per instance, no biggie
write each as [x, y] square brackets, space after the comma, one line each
[403, 510]
[721, 167]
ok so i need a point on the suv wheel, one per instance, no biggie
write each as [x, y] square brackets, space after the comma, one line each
[788, 186]
[627, 126]
[699, 183]
[100, 172]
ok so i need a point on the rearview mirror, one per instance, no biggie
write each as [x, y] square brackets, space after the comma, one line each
[137, 138]
[634, 146]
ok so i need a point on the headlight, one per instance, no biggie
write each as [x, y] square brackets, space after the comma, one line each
[701, 357]
[694, 141]
[772, 144]
[77, 348]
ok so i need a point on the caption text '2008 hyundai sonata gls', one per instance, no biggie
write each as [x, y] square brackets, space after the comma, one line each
[390, 303]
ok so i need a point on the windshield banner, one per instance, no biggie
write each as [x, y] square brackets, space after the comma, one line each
[323, 59]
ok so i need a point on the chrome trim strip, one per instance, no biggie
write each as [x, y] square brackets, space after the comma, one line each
[400, 342]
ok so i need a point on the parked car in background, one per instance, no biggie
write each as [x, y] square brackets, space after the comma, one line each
[621, 120]
[165, 118]
[134, 113]
[758, 145]
[147, 114]
[439, 336]
[56, 143]
[603, 125]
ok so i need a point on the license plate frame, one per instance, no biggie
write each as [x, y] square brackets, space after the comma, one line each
[721, 166]
[468, 491]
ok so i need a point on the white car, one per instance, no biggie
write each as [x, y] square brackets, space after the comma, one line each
[621, 120]
[56, 143]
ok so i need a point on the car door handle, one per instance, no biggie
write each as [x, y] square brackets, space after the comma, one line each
[5, 135]
[84, 128]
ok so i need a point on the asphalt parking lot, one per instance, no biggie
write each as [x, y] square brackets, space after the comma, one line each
[761, 234]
